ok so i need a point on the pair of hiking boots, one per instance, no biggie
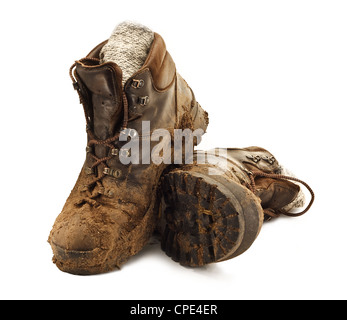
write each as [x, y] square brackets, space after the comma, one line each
[139, 177]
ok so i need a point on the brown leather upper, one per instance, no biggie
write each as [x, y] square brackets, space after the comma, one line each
[160, 64]
[274, 193]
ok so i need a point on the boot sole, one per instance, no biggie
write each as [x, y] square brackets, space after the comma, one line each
[206, 219]
[77, 262]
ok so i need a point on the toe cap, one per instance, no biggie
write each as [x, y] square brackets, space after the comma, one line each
[74, 235]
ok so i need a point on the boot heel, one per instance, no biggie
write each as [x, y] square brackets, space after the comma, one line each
[203, 220]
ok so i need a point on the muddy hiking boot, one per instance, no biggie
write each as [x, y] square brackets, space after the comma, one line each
[132, 98]
[213, 209]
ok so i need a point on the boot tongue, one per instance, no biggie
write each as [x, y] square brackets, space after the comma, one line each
[276, 194]
[105, 93]
[123, 55]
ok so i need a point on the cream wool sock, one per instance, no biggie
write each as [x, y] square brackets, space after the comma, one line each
[128, 47]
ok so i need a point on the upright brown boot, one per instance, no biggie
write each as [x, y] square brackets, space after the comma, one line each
[110, 213]
[214, 210]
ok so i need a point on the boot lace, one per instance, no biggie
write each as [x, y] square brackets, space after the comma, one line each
[92, 140]
[272, 213]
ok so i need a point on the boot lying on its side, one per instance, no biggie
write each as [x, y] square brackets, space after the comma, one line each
[110, 213]
[213, 211]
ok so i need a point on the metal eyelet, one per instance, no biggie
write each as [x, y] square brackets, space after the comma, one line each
[142, 101]
[113, 172]
[255, 159]
[125, 152]
[270, 160]
[136, 84]
[115, 152]
[132, 133]
[117, 173]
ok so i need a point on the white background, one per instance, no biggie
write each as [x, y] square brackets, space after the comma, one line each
[270, 73]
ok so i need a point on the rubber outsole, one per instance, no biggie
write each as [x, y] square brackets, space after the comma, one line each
[205, 219]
